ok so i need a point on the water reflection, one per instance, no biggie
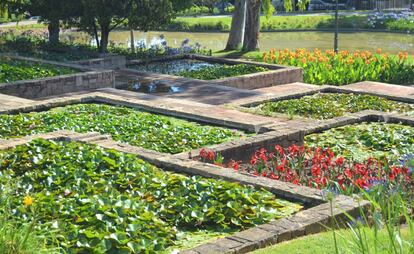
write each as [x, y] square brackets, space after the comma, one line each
[389, 42]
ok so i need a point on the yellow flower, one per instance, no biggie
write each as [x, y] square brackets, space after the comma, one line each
[28, 201]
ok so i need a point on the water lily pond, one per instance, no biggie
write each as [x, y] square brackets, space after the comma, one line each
[329, 105]
[96, 200]
[156, 132]
[196, 69]
[174, 67]
[16, 70]
[365, 140]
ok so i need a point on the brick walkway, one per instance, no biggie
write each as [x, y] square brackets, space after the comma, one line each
[7, 101]
[199, 91]
[382, 88]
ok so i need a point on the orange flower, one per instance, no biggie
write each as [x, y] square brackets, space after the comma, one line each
[379, 50]
[304, 60]
[350, 61]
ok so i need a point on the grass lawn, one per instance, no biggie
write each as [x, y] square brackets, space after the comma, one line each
[323, 244]
[297, 22]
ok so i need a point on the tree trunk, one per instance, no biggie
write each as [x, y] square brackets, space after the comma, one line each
[238, 24]
[251, 36]
[132, 40]
[104, 37]
[54, 30]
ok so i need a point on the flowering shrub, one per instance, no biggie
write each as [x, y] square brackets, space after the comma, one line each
[320, 168]
[345, 67]
[392, 21]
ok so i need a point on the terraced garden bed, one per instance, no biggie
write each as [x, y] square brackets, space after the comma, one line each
[330, 105]
[227, 72]
[16, 70]
[365, 140]
[151, 131]
[97, 200]
[197, 69]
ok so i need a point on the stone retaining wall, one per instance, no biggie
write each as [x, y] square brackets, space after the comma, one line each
[38, 88]
[87, 79]
[105, 62]
[277, 74]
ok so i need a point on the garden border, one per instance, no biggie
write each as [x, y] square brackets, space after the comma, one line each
[86, 79]
[308, 221]
[277, 74]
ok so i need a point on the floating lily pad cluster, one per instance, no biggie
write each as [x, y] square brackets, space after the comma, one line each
[224, 71]
[151, 131]
[362, 141]
[15, 70]
[330, 105]
[103, 201]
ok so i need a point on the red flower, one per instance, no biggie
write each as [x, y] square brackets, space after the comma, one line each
[339, 161]
[280, 168]
[211, 155]
[348, 173]
[293, 150]
[203, 153]
[316, 170]
[280, 150]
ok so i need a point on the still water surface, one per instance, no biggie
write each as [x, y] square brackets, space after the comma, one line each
[389, 42]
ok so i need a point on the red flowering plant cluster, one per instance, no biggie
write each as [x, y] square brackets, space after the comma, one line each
[320, 168]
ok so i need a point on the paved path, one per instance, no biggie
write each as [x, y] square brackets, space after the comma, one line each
[7, 101]
[383, 88]
[193, 90]
[21, 23]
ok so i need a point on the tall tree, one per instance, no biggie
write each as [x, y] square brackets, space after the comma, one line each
[50, 11]
[100, 17]
[251, 24]
[238, 21]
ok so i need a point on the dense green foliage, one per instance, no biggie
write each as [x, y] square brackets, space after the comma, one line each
[294, 22]
[344, 67]
[362, 141]
[330, 105]
[105, 201]
[15, 70]
[30, 44]
[224, 71]
[17, 237]
[156, 132]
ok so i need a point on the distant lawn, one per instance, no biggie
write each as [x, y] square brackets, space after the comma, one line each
[274, 23]
[323, 244]
[298, 22]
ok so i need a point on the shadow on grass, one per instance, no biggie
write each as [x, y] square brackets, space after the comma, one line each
[233, 54]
